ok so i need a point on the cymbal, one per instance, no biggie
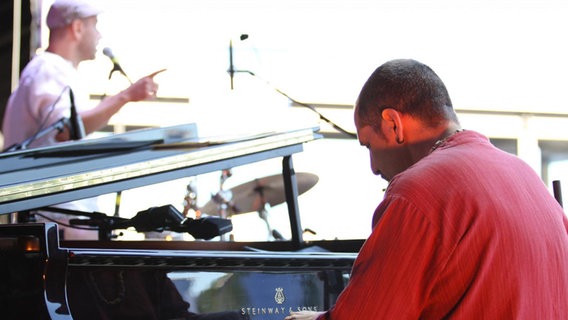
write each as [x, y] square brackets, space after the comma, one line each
[253, 195]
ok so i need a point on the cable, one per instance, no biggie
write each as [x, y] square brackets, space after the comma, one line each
[63, 223]
[52, 108]
[232, 71]
[322, 117]
[40, 131]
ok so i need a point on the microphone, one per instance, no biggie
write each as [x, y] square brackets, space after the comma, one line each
[168, 217]
[116, 65]
[76, 128]
[205, 228]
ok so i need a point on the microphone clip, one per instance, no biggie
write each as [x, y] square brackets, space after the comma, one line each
[115, 64]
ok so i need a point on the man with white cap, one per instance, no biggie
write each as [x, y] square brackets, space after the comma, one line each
[50, 81]
[42, 96]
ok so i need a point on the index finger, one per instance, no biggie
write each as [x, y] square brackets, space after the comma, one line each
[153, 74]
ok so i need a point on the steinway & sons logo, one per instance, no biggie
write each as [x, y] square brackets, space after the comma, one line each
[279, 296]
[278, 309]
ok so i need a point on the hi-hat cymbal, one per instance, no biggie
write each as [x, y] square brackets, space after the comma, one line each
[253, 195]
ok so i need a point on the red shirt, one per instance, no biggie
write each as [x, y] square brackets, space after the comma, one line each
[468, 232]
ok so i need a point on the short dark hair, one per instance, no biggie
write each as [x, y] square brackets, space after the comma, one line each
[408, 86]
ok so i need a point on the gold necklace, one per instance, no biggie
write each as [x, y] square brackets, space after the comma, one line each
[442, 141]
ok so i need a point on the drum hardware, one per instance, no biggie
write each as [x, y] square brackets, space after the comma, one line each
[190, 201]
[221, 202]
[258, 195]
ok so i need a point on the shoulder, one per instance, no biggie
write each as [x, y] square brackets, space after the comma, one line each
[48, 66]
[46, 74]
[451, 162]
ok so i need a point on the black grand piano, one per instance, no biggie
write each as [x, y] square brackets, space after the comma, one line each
[43, 277]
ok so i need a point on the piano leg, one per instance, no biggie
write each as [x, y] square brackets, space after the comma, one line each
[291, 189]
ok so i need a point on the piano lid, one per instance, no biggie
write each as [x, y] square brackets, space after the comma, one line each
[77, 170]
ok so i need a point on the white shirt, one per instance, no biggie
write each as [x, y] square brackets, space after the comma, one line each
[41, 99]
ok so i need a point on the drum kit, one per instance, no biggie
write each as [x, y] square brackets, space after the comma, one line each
[258, 195]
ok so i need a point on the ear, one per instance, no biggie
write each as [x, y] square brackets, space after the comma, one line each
[76, 28]
[393, 124]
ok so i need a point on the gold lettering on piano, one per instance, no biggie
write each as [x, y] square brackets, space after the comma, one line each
[257, 311]
[279, 298]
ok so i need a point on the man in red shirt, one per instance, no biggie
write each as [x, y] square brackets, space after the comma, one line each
[465, 230]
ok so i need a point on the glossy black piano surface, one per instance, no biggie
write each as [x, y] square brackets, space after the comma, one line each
[44, 277]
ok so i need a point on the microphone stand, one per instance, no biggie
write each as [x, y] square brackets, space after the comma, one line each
[164, 218]
[117, 67]
[59, 125]
[232, 72]
[231, 65]
[231, 69]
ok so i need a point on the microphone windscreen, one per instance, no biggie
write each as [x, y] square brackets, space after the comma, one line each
[108, 52]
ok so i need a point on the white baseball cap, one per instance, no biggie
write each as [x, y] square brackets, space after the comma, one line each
[63, 12]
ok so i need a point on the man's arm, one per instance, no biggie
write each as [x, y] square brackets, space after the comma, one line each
[96, 118]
